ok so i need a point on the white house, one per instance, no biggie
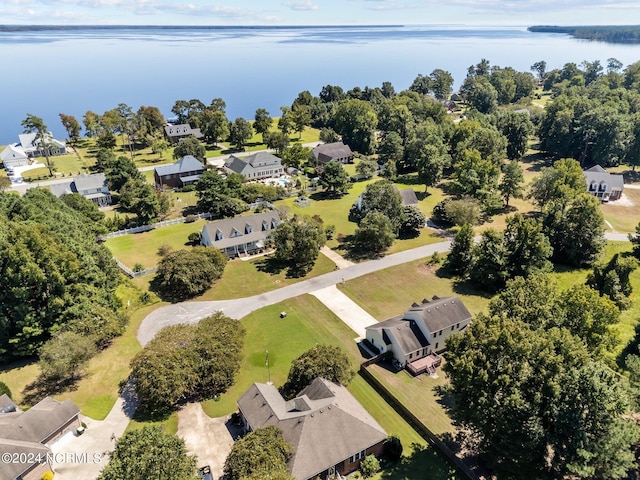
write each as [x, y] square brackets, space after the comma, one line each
[417, 336]
[258, 166]
[14, 156]
[240, 235]
[93, 187]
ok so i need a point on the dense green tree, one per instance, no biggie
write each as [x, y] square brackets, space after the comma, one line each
[356, 122]
[382, 196]
[391, 148]
[146, 204]
[190, 146]
[480, 94]
[612, 279]
[560, 183]
[285, 123]
[475, 176]
[575, 231]
[540, 68]
[186, 273]
[240, 132]
[328, 135]
[183, 362]
[277, 141]
[4, 390]
[65, 356]
[374, 234]
[517, 128]
[260, 454]
[214, 126]
[295, 156]
[367, 167]
[511, 182]
[460, 255]
[421, 84]
[334, 178]
[635, 241]
[300, 117]
[490, 269]
[150, 453]
[458, 212]
[632, 154]
[49, 263]
[42, 139]
[91, 121]
[298, 242]
[327, 361]
[413, 220]
[527, 248]
[502, 80]
[5, 183]
[441, 83]
[431, 163]
[369, 466]
[218, 195]
[72, 126]
[491, 144]
[390, 171]
[262, 122]
[120, 171]
[84, 206]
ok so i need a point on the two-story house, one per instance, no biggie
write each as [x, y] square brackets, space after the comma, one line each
[418, 335]
[603, 185]
[93, 187]
[174, 133]
[240, 236]
[258, 166]
[185, 171]
[336, 151]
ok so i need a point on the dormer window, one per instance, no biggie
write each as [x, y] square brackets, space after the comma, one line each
[603, 186]
[219, 235]
[248, 229]
[265, 225]
[235, 233]
[592, 187]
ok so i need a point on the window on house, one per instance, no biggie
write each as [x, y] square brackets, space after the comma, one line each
[219, 235]
[436, 345]
[248, 229]
[265, 226]
[457, 325]
[410, 356]
[357, 456]
[452, 327]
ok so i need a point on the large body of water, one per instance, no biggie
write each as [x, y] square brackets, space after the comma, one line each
[52, 72]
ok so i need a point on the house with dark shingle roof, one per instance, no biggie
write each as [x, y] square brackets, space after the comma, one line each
[603, 185]
[330, 431]
[240, 236]
[258, 166]
[93, 187]
[28, 436]
[185, 171]
[336, 151]
[418, 335]
[175, 133]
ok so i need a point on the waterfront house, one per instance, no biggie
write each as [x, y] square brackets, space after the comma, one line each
[336, 151]
[174, 133]
[93, 187]
[185, 171]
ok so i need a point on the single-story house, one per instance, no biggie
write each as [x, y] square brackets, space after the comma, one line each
[28, 436]
[93, 187]
[336, 151]
[14, 156]
[416, 337]
[329, 429]
[33, 149]
[407, 195]
[175, 133]
[240, 235]
[255, 167]
[185, 171]
[603, 185]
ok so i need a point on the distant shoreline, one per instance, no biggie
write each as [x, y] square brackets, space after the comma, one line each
[604, 33]
[43, 28]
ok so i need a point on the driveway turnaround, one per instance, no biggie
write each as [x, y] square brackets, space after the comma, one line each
[207, 438]
[193, 312]
[346, 309]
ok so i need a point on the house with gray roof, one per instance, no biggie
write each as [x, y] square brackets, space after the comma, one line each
[34, 148]
[336, 151]
[28, 435]
[258, 166]
[603, 185]
[185, 171]
[93, 187]
[175, 133]
[14, 156]
[240, 236]
[329, 429]
[417, 336]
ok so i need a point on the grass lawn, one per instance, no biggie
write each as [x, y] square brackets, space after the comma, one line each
[308, 322]
[247, 278]
[143, 247]
[378, 292]
[623, 218]
[169, 425]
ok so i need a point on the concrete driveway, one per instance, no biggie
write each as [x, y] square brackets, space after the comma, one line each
[346, 309]
[207, 438]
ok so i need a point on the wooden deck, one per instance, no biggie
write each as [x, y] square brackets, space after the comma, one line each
[426, 364]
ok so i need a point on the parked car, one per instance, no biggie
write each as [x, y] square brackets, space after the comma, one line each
[205, 473]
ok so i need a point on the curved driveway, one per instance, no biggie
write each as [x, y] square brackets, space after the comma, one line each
[192, 312]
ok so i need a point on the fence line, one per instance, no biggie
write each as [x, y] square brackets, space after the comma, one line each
[146, 228]
[417, 424]
[127, 271]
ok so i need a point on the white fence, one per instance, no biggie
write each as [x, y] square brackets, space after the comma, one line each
[146, 228]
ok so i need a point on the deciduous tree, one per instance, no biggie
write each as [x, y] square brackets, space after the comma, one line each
[72, 126]
[42, 139]
[262, 122]
[190, 146]
[374, 234]
[460, 256]
[65, 356]
[334, 178]
[240, 132]
[298, 242]
[511, 182]
[356, 121]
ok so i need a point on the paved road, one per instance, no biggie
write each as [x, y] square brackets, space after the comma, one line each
[192, 312]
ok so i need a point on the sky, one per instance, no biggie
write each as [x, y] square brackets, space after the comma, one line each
[320, 12]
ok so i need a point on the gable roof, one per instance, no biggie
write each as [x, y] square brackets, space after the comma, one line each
[12, 152]
[27, 139]
[180, 130]
[408, 196]
[90, 182]
[40, 421]
[440, 313]
[328, 151]
[186, 164]
[406, 333]
[60, 189]
[324, 423]
[20, 450]
[598, 174]
[240, 224]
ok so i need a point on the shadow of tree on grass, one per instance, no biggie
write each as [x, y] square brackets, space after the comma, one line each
[422, 459]
[44, 386]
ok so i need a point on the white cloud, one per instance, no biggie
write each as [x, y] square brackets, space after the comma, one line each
[301, 5]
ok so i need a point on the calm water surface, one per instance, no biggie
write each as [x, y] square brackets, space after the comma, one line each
[47, 73]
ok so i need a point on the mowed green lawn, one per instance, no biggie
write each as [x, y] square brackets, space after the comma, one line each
[308, 323]
[623, 215]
